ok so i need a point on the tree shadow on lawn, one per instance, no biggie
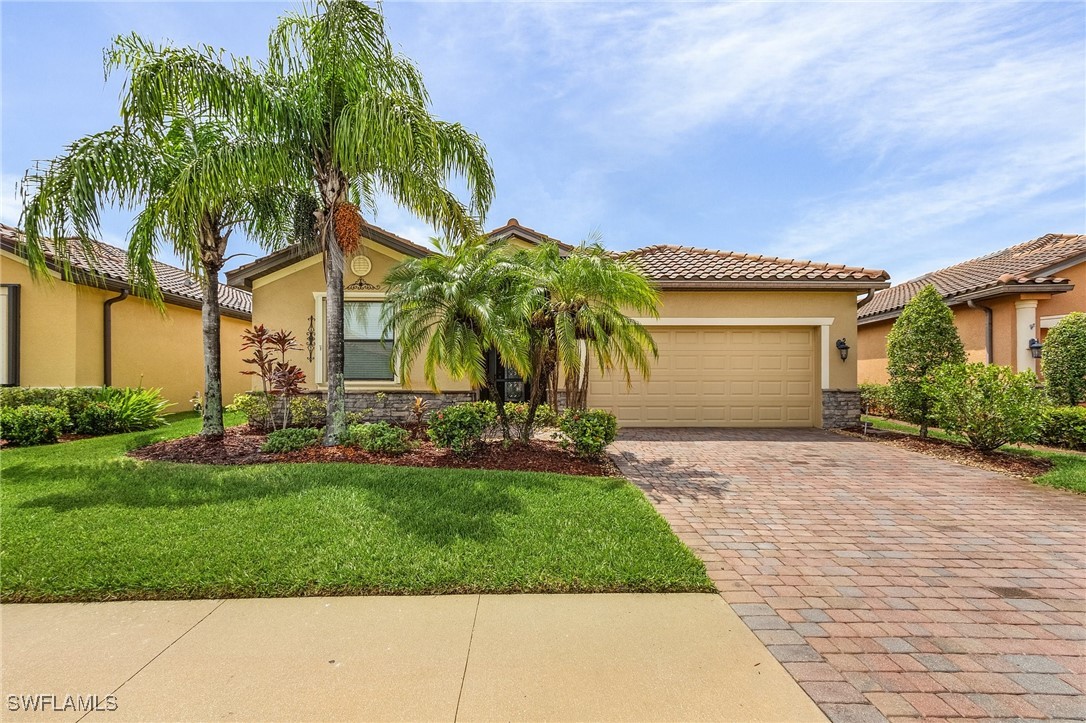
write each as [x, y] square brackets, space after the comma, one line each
[434, 505]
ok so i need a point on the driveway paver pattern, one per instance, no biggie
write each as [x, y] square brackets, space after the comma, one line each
[890, 584]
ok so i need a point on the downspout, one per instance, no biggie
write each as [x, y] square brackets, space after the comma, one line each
[107, 337]
[867, 298]
[987, 327]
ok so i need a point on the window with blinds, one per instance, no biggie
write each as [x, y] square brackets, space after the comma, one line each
[366, 355]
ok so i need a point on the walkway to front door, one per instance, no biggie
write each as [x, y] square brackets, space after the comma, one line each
[890, 584]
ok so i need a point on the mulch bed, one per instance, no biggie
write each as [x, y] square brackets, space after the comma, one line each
[241, 445]
[995, 461]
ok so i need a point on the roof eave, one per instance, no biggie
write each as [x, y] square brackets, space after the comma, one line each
[989, 292]
[758, 285]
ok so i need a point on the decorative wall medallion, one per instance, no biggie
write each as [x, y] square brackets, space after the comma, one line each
[361, 265]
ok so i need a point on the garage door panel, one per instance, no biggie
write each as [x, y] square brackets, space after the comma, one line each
[718, 376]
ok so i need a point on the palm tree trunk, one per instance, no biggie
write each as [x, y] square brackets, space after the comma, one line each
[212, 412]
[336, 420]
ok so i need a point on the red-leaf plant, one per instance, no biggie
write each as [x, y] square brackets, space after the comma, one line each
[278, 378]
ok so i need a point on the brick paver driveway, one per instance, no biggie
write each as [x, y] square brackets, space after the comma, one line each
[889, 583]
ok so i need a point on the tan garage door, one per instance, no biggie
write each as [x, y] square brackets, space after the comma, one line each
[721, 377]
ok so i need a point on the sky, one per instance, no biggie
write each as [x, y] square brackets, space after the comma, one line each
[900, 136]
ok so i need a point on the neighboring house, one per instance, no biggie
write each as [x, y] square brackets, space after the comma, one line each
[745, 341]
[92, 332]
[1000, 302]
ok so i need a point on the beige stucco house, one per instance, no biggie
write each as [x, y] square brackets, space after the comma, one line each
[93, 332]
[744, 340]
[1001, 302]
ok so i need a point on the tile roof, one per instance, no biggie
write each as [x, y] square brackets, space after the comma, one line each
[110, 265]
[666, 263]
[1000, 272]
[514, 227]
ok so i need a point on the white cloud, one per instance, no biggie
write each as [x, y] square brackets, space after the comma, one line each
[11, 204]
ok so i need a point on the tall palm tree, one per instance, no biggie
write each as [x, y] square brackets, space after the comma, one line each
[579, 313]
[187, 178]
[353, 112]
[458, 305]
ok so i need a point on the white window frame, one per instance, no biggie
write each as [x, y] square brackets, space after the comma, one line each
[319, 363]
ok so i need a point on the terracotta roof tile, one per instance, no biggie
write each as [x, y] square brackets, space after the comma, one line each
[110, 263]
[1026, 263]
[683, 263]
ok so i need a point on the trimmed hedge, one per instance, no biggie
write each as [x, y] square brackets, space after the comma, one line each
[460, 427]
[72, 400]
[1063, 427]
[379, 438]
[291, 439]
[32, 424]
[588, 431]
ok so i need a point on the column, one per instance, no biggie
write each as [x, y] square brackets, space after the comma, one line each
[1025, 312]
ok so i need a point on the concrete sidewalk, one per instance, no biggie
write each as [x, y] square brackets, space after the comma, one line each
[470, 657]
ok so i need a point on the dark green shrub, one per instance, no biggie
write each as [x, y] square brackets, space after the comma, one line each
[1063, 427]
[307, 410]
[987, 404]
[257, 408]
[588, 431]
[73, 400]
[291, 439]
[545, 416]
[32, 424]
[877, 399]
[1063, 360]
[379, 438]
[125, 409]
[460, 427]
[922, 339]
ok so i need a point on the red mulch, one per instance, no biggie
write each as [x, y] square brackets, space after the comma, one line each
[241, 445]
[996, 461]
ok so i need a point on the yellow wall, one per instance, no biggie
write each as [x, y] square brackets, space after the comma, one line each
[971, 327]
[61, 340]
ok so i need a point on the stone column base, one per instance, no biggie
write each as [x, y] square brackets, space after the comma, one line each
[840, 408]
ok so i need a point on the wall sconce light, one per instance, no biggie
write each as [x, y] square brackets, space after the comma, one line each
[1035, 348]
[842, 348]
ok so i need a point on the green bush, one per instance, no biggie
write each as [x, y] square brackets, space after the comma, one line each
[588, 431]
[291, 439]
[257, 408]
[877, 399]
[379, 438]
[125, 409]
[987, 404]
[73, 400]
[307, 410]
[31, 424]
[358, 417]
[460, 427]
[1063, 360]
[921, 340]
[1063, 427]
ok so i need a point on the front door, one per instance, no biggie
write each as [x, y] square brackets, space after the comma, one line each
[511, 386]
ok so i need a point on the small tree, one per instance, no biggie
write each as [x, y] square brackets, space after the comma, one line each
[922, 339]
[989, 405]
[279, 379]
[1063, 360]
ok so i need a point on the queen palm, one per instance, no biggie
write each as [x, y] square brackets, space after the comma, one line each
[453, 308]
[188, 179]
[578, 316]
[352, 112]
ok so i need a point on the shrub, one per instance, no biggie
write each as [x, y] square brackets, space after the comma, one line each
[358, 417]
[307, 410]
[460, 427]
[1063, 427]
[588, 431]
[122, 409]
[877, 399]
[257, 408]
[545, 416]
[379, 438]
[73, 400]
[922, 339]
[31, 424]
[291, 439]
[1063, 360]
[989, 405]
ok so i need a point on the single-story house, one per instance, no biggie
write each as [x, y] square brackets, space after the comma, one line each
[92, 331]
[1001, 302]
[744, 340]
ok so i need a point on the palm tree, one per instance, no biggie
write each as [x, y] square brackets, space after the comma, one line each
[579, 313]
[351, 111]
[458, 305]
[187, 179]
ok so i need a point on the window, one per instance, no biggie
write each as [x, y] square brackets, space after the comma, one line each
[9, 335]
[366, 355]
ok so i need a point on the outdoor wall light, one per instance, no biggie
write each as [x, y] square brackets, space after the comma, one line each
[842, 347]
[1035, 348]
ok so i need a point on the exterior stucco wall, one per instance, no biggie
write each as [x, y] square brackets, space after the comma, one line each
[61, 340]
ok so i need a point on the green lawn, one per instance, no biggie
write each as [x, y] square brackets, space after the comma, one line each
[1068, 470]
[80, 521]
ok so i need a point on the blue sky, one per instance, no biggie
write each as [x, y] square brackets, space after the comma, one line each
[902, 136]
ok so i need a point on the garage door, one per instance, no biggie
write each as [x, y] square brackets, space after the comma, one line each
[720, 377]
